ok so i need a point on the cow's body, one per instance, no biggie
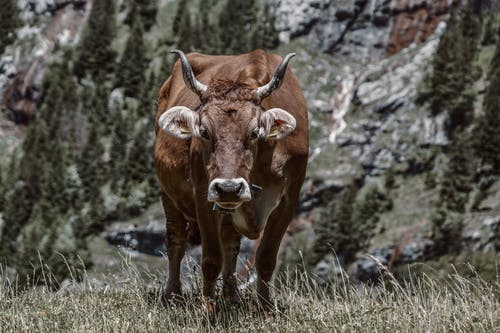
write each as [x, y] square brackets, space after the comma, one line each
[278, 167]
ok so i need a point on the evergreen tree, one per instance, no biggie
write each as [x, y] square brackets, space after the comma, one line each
[130, 71]
[147, 10]
[147, 98]
[442, 67]
[457, 177]
[118, 152]
[348, 224]
[8, 23]
[264, 35]
[454, 72]
[495, 61]
[39, 201]
[95, 55]
[334, 228]
[97, 110]
[447, 220]
[367, 212]
[36, 247]
[27, 187]
[241, 17]
[186, 33]
[179, 16]
[487, 134]
[140, 161]
[490, 31]
[17, 212]
[91, 166]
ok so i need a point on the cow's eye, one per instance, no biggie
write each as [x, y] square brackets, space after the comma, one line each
[254, 135]
[204, 133]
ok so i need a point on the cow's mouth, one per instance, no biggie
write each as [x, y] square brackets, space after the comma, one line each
[226, 207]
[229, 205]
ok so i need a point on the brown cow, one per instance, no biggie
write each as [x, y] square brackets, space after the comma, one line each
[231, 157]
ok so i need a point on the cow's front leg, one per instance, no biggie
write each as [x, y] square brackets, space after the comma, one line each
[211, 261]
[230, 247]
[175, 242]
[267, 253]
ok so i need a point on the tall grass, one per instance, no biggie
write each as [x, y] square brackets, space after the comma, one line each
[300, 305]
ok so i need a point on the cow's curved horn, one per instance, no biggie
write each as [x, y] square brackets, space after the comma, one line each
[188, 75]
[276, 80]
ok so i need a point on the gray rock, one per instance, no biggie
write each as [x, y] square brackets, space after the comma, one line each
[366, 269]
[327, 270]
[433, 132]
[296, 17]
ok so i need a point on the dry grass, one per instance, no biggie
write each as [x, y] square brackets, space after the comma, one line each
[423, 305]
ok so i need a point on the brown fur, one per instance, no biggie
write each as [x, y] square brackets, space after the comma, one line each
[229, 112]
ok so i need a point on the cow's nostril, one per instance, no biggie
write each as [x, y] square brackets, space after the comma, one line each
[239, 188]
[218, 189]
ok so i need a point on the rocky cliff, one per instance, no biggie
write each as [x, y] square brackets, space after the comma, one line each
[364, 30]
[45, 26]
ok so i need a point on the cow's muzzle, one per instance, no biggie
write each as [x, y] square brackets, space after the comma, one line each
[229, 193]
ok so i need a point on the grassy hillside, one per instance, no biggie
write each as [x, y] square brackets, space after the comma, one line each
[126, 305]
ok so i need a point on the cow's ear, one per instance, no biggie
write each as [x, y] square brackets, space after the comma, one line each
[277, 123]
[180, 121]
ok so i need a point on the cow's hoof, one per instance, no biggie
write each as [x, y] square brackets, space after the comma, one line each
[172, 298]
[231, 296]
[209, 306]
[258, 308]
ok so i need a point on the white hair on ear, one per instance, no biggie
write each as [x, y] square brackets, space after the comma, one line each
[278, 123]
[180, 121]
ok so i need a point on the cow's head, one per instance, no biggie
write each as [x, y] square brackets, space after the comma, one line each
[230, 122]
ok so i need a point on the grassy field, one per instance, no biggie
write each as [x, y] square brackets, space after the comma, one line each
[128, 305]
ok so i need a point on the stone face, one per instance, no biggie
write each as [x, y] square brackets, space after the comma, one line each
[46, 23]
[296, 17]
[367, 30]
[414, 22]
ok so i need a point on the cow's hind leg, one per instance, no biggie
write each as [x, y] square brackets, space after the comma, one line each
[176, 246]
[230, 248]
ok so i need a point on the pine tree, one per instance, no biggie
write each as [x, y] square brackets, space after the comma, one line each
[8, 23]
[455, 185]
[147, 98]
[179, 16]
[36, 249]
[495, 61]
[241, 16]
[140, 162]
[442, 67]
[17, 212]
[95, 55]
[118, 152]
[91, 165]
[487, 134]
[454, 72]
[186, 33]
[457, 176]
[148, 10]
[204, 28]
[27, 187]
[130, 71]
[490, 31]
[97, 110]
[39, 201]
[334, 228]
[366, 214]
[264, 35]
